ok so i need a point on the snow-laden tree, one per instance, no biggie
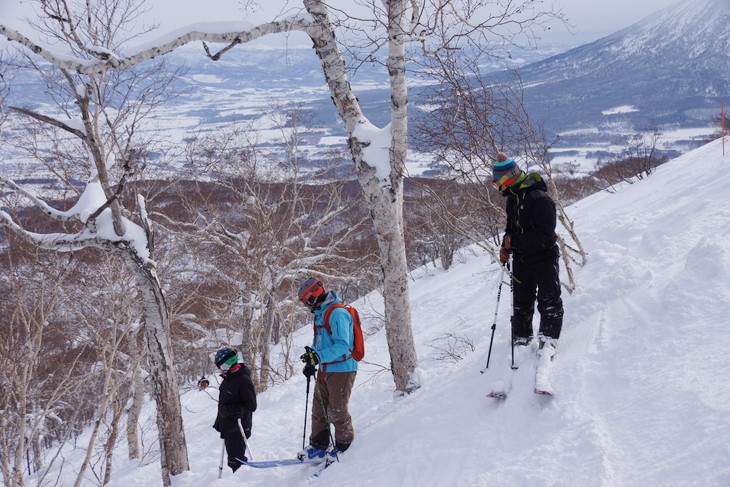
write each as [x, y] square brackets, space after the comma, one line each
[379, 153]
[93, 126]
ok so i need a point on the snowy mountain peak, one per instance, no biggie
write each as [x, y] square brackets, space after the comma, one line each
[692, 28]
[670, 68]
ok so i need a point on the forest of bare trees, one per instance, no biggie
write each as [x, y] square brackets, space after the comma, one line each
[130, 278]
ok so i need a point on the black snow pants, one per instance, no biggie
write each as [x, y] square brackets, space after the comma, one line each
[537, 279]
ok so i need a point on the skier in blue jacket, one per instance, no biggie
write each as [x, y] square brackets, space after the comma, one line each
[337, 370]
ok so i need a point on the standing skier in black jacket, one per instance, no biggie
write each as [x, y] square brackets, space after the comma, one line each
[236, 401]
[530, 239]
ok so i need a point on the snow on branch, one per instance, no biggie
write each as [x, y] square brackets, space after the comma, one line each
[42, 205]
[92, 210]
[135, 239]
[235, 33]
[62, 242]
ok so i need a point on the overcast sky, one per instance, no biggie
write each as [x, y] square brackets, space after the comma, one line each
[592, 18]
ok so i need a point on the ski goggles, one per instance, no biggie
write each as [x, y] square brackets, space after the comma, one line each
[507, 178]
[226, 366]
[310, 295]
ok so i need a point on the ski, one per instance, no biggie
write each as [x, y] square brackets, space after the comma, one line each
[502, 388]
[283, 463]
[542, 364]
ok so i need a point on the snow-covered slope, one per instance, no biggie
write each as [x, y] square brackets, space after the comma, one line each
[641, 376]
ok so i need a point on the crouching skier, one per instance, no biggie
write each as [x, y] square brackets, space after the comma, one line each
[236, 401]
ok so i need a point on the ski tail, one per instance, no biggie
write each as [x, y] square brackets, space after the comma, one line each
[543, 370]
[544, 391]
[323, 466]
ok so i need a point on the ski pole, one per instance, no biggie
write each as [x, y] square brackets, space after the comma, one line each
[306, 403]
[494, 323]
[512, 317]
[223, 451]
[245, 440]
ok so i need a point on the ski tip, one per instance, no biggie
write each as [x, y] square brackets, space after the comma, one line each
[544, 392]
[497, 395]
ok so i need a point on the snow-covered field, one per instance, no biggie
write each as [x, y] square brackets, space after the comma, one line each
[583, 159]
[641, 376]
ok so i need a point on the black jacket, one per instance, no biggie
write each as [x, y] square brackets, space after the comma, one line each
[236, 399]
[531, 220]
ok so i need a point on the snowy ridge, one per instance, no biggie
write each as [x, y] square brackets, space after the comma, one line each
[689, 32]
[642, 393]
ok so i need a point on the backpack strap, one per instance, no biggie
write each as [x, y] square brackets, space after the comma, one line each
[328, 313]
[326, 320]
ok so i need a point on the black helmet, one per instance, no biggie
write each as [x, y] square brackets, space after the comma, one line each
[222, 355]
[311, 292]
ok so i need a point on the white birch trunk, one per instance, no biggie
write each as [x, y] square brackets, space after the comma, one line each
[133, 414]
[174, 456]
[37, 452]
[385, 201]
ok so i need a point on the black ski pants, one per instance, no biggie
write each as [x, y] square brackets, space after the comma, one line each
[540, 279]
[236, 448]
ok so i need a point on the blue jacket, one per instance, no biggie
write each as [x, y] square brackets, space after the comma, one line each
[334, 347]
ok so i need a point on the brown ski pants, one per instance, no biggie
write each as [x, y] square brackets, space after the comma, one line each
[330, 406]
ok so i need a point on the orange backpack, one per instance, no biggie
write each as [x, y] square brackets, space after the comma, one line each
[358, 350]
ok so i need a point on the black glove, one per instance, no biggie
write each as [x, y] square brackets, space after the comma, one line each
[309, 370]
[310, 357]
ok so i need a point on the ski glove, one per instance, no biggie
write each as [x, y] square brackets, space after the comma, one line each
[309, 370]
[310, 357]
[503, 255]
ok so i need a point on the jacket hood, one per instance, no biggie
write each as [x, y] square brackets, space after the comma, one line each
[330, 298]
[532, 181]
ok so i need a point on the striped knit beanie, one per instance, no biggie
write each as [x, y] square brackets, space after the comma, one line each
[505, 172]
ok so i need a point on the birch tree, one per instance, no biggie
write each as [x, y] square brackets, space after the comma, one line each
[379, 153]
[29, 402]
[99, 115]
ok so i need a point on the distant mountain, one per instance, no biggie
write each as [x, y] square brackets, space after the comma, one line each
[670, 69]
